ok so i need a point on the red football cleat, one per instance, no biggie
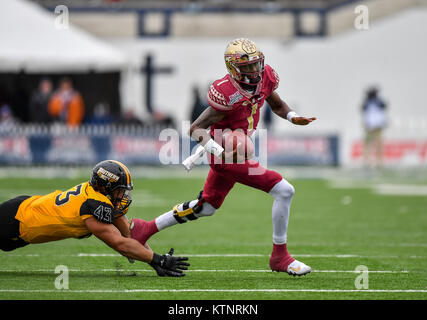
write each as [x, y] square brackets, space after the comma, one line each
[142, 230]
[280, 258]
[282, 261]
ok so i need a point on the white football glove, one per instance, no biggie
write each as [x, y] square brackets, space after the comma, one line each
[190, 161]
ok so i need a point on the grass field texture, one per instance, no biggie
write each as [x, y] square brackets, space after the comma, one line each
[334, 229]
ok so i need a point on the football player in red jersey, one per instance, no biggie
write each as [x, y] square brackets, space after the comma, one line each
[235, 102]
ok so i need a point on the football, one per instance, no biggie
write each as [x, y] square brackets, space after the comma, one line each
[237, 139]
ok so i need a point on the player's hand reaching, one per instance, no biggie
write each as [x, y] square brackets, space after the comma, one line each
[302, 121]
[168, 266]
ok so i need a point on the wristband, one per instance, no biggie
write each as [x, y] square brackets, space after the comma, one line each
[157, 259]
[213, 147]
[291, 115]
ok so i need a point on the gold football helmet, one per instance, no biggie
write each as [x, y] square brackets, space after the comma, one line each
[112, 178]
[245, 62]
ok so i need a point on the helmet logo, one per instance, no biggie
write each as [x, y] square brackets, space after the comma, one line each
[107, 175]
[248, 46]
[245, 64]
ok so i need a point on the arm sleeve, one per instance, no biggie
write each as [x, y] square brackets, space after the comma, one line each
[100, 210]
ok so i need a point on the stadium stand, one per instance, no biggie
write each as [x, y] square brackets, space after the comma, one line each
[324, 75]
[280, 18]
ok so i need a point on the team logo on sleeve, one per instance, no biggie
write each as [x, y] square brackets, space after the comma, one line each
[234, 98]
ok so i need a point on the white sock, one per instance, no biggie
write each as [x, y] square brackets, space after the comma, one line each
[167, 219]
[282, 193]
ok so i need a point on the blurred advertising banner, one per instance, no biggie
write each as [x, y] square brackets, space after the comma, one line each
[87, 145]
[406, 152]
[137, 149]
[15, 150]
[295, 150]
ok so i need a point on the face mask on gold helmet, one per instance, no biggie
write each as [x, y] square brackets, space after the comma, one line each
[245, 62]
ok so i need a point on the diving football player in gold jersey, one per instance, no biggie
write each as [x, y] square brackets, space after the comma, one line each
[97, 207]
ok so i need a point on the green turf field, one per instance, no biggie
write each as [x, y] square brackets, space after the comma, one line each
[334, 230]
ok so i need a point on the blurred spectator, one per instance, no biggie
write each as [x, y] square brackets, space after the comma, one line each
[20, 96]
[374, 120]
[101, 114]
[128, 118]
[39, 102]
[163, 119]
[66, 105]
[7, 121]
[199, 105]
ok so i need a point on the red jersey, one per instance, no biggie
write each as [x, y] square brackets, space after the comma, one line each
[242, 108]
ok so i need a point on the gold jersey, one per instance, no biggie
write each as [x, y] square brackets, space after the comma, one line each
[62, 214]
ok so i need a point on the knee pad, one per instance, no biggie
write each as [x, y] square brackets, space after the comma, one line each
[207, 210]
[282, 189]
[184, 212]
[191, 210]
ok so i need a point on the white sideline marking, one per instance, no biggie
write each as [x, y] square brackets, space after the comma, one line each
[215, 290]
[203, 270]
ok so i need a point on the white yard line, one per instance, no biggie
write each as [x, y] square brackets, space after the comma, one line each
[202, 270]
[243, 255]
[401, 189]
[225, 255]
[397, 189]
[213, 290]
[232, 255]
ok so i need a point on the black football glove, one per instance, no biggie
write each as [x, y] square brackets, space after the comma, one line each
[168, 266]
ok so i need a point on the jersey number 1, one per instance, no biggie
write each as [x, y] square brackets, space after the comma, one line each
[251, 117]
[59, 201]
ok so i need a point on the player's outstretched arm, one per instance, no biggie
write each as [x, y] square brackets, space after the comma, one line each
[165, 265]
[122, 223]
[205, 120]
[198, 131]
[279, 107]
[109, 234]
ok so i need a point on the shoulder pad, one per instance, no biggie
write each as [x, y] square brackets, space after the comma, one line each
[272, 76]
[217, 100]
[222, 95]
[92, 194]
